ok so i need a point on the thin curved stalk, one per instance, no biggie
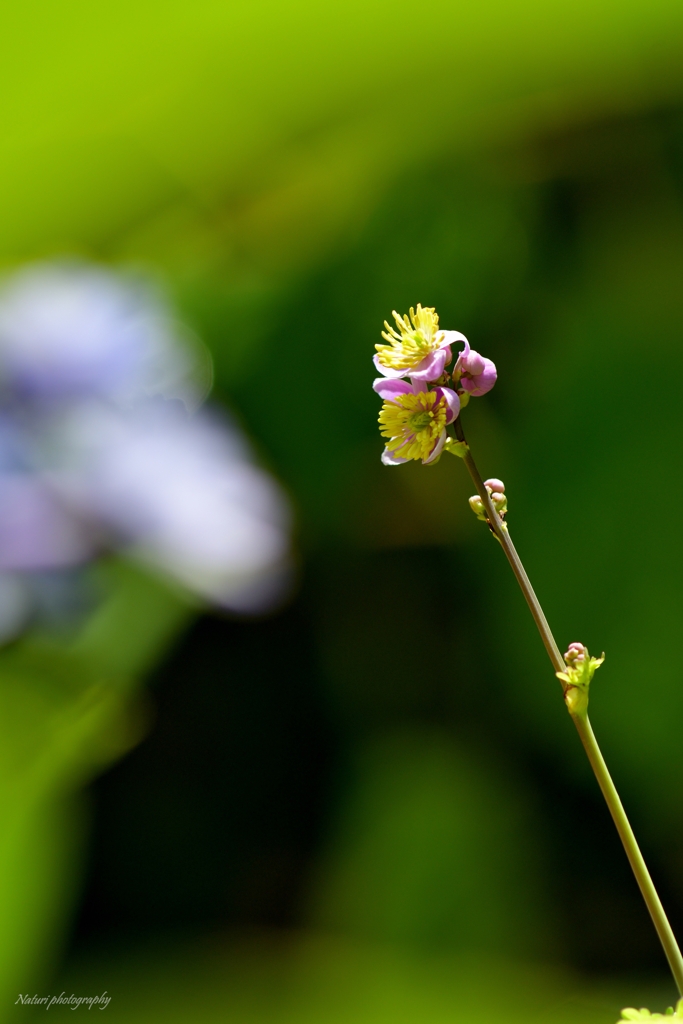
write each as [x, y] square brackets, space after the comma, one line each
[501, 532]
[585, 731]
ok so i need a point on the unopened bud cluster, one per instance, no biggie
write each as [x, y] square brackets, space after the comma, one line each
[496, 491]
[575, 653]
[580, 669]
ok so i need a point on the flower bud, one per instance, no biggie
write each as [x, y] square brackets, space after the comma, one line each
[494, 484]
[476, 373]
[498, 500]
[500, 503]
[575, 652]
[580, 669]
[477, 506]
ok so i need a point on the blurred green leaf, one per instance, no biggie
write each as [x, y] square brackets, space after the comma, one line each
[285, 117]
[434, 847]
[313, 977]
[67, 709]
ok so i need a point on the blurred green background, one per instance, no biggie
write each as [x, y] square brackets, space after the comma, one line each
[370, 805]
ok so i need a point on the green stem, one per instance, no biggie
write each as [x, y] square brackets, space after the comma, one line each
[585, 731]
[635, 857]
[501, 532]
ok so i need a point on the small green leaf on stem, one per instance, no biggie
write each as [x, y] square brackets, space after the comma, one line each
[579, 671]
[459, 448]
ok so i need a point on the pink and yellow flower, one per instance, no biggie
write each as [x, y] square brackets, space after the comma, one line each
[414, 420]
[417, 347]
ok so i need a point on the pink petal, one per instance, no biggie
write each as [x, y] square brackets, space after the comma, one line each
[389, 389]
[463, 356]
[452, 338]
[432, 366]
[473, 363]
[452, 401]
[385, 371]
[389, 459]
[437, 449]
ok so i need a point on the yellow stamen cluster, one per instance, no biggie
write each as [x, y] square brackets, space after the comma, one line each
[413, 424]
[418, 335]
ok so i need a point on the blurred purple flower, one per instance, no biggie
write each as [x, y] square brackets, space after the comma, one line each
[36, 530]
[478, 374]
[71, 330]
[180, 493]
[98, 451]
